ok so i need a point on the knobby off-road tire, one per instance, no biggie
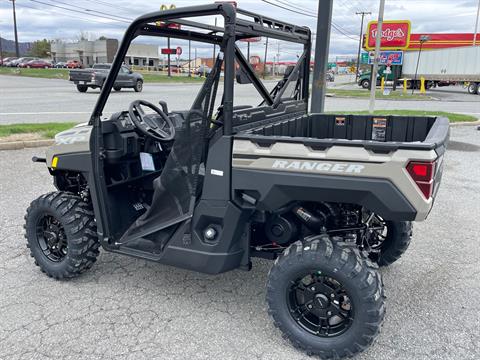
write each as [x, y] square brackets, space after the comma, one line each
[334, 262]
[399, 235]
[72, 220]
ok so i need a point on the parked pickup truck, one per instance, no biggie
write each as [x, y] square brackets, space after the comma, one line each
[95, 77]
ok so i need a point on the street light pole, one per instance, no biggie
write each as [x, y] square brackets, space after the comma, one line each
[363, 13]
[17, 52]
[423, 39]
[373, 81]
[265, 59]
[476, 25]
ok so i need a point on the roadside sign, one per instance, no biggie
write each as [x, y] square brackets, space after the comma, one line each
[395, 35]
[364, 58]
[252, 40]
[179, 51]
[388, 58]
[167, 51]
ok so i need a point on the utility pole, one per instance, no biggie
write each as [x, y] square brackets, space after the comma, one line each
[363, 13]
[168, 58]
[214, 48]
[265, 60]
[373, 81]
[476, 25]
[1, 51]
[324, 24]
[189, 58]
[17, 53]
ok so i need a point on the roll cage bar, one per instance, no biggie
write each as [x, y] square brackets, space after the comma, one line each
[235, 28]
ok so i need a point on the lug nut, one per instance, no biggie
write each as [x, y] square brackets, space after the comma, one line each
[329, 313]
[309, 306]
[313, 288]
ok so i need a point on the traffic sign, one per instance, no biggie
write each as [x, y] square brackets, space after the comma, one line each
[388, 58]
[179, 51]
[364, 58]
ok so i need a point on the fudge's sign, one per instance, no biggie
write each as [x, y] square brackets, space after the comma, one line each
[395, 35]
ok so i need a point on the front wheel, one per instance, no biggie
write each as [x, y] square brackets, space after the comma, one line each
[365, 84]
[138, 86]
[326, 298]
[61, 234]
[117, 88]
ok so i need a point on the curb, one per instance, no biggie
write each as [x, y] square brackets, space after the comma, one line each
[466, 123]
[18, 145]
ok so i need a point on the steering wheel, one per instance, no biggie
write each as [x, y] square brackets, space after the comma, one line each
[160, 128]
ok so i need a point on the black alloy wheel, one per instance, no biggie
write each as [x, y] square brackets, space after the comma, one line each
[51, 238]
[320, 305]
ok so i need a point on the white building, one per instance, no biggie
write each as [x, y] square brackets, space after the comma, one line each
[103, 51]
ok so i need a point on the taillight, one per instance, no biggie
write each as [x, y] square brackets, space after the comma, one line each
[423, 174]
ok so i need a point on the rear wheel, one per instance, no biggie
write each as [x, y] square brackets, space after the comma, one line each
[473, 88]
[138, 86]
[82, 88]
[326, 298]
[388, 241]
[61, 234]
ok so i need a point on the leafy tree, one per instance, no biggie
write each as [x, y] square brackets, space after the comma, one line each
[40, 48]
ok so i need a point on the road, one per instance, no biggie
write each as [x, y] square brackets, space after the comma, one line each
[125, 308]
[27, 100]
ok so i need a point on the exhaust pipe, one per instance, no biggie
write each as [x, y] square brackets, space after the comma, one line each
[311, 221]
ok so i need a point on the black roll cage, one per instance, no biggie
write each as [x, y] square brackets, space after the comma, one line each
[234, 29]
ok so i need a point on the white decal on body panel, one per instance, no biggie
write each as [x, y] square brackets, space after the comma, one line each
[318, 166]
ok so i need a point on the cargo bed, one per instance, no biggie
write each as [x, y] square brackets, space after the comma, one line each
[376, 133]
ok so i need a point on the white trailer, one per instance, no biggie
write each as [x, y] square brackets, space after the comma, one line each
[460, 64]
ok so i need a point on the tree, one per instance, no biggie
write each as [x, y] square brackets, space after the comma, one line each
[40, 48]
[102, 38]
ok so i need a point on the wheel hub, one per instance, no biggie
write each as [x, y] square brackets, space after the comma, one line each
[321, 301]
[322, 307]
[51, 238]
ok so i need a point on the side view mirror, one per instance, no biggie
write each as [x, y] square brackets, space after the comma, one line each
[130, 71]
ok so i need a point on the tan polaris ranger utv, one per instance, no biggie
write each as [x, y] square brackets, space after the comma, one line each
[208, 189]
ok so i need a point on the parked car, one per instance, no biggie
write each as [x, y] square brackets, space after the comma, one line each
[60, 65]
[95, 77]
[23, 60]
[203, 70]
[74, 64]
[7, 60]
[37, 64]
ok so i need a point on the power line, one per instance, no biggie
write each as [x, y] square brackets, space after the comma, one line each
[335, 26]
[311, 13]
[91, 10]
[65, 14]
[79, 12]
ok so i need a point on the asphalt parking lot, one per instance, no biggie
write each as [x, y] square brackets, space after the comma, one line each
[125, 308]
[59, 101]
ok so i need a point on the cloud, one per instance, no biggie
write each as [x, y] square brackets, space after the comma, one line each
[37, 20]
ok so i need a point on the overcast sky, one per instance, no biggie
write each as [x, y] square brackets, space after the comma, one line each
[38, 19]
